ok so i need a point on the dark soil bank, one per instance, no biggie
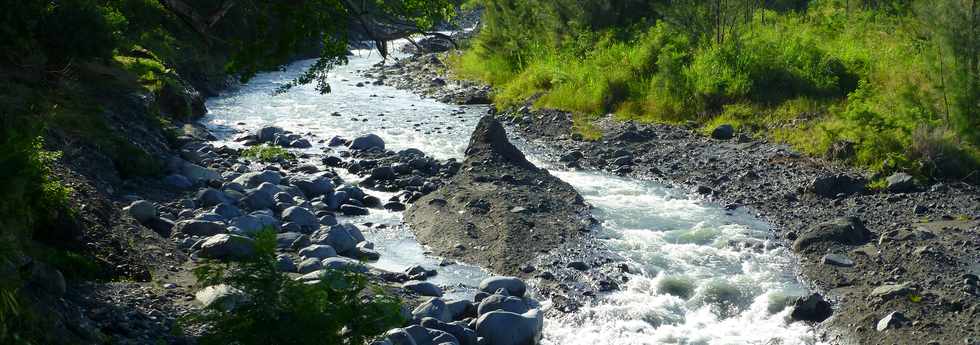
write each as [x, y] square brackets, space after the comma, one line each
[505, 214]
[898, 265]
[500, 211]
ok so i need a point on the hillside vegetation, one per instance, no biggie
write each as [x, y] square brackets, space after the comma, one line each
[105, 79]
[884, 85]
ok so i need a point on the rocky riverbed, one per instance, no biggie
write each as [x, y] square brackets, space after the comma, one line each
[894, 266]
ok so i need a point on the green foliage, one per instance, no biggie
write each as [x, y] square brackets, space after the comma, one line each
[339, 309]
[811, 73]
[268, 153]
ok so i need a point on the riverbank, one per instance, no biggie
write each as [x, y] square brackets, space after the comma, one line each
[918, 257]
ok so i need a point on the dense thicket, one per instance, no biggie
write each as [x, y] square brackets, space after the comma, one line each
[888, 85]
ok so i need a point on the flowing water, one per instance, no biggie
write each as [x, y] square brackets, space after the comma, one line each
[691, 286]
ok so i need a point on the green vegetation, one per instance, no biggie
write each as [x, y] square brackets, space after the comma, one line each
[895, 81]
[268, 153]
[339, 309]
[73, 71]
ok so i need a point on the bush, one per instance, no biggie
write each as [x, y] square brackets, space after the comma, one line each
[268, 153]
[339, 309]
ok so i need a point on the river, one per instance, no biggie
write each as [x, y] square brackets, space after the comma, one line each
[691, 286]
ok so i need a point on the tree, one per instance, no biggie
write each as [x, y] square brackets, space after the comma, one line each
[955, 26]
[282, 28]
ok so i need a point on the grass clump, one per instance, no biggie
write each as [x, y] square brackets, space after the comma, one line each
[268, 153]
[342, 308]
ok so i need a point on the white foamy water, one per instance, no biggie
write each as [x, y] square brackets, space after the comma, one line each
[689, 286]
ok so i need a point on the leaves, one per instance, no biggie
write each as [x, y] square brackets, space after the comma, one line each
[342, 308]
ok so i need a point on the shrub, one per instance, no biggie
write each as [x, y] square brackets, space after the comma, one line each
[339, 309]
[268, 153]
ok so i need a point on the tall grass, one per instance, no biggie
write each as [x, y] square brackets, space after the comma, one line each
[812, 79]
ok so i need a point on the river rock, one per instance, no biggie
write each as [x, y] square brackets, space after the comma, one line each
[447, 222]
[301, 217]
[257, 199]
[197, 173]
[463, 335]
[268, 133]
[900, 183]
[344, 264]
[423, 288]
[351, 210]
[336, 236]
[314, 187]
[285, 264]
[336, 199]
[723, 132]
[846, 230]
[513, 285]
[891, 321]
[143, 211]
[254, 179]
[892, 291]
[811, 308]
[227, 211]
[318, 251]
[434, 308]
[178, 182]
[837, 260]
[367, 142]
[227, 247]
[196, 227]
[210, 197]
[252, 224]
[501, 302]
[833, 185]
[399, 336]
[221, 296]
[161, 225]
[506, 328]
[309, 265]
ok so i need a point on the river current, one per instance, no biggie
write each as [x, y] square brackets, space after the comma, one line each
[691, 286]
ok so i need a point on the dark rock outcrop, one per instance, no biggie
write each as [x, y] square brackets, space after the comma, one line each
[499, 211]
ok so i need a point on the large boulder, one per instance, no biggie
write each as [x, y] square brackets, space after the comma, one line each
[227, 247]
[481, 228]
[846, 231]
[367, 142]
[506, 328]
